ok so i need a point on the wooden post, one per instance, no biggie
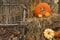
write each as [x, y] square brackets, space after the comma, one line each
[7, 14]
[6, 10]
[24, 15]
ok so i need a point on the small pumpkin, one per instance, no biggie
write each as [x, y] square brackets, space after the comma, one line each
[47, 14]
[42, 8]
[56, 34]
[39, 15]
[48, 33]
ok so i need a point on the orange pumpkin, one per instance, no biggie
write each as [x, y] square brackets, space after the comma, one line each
[56, 34]
[42, 8]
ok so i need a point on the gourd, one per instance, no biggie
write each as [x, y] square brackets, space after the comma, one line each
[47, 14]
[56, 34]
[48, 33]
